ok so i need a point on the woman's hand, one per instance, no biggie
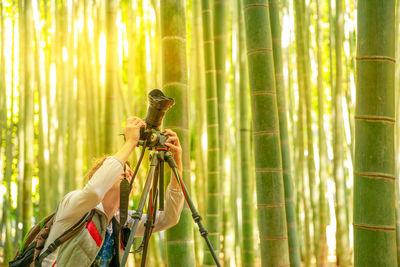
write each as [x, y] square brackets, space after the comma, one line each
[132, 130]
[175, 147]
[132, 135]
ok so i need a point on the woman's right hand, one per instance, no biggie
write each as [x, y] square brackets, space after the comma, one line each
[132, 130]
[132, 135]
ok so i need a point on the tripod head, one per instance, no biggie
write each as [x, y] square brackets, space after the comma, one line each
[153, 138]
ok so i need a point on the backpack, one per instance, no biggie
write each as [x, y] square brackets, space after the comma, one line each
[30, 254]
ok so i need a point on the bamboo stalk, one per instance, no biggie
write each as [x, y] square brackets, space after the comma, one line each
[267, 148]
[374, 174]
[180, 244]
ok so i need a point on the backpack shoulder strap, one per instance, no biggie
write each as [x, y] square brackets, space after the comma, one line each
[65, 236]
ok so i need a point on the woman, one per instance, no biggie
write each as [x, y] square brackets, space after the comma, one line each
[98, 243]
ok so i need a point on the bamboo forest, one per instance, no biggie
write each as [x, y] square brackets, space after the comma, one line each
[285, 112]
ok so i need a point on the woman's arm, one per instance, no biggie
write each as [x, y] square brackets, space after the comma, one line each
[77, 203]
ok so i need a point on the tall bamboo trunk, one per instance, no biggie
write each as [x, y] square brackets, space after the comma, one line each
[322, 242]
[175, 85]
[213, 210]
[342, 239]
[44, 200]
[21, 114]
[7, 125]
[27, 208]
[301, 81]
[267, 148]
[91, 86]
[198, 96]
[219, 29]
[310, 139]
[283, 130]
[61, 95]
[247, 246]
[70, 182]
[397, 131]
[374, 171]
[110, 130]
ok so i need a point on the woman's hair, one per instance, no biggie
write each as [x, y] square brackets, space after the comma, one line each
[96, 164]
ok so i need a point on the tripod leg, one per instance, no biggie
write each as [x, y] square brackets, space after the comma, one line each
[139, 212]
[151, 212]
[195, 214]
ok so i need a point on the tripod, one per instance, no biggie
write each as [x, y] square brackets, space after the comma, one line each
[155, 179]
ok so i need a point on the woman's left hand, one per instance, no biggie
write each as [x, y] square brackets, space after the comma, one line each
[175, 147]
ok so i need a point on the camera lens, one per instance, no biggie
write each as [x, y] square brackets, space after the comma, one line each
[158, 105]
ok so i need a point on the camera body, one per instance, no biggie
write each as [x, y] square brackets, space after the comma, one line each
[154, 137]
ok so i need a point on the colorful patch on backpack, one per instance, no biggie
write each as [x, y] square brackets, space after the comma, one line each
[94, 233]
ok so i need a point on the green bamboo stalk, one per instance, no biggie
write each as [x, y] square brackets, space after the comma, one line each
[131, 34]
[213, 211]
[3, 97]
[247, 244]
[283, 130]
[267, 149]
[44, 200]
[21, 113]
[199, 99]
[8, 245]
[374, 174]
[310, 140]
[70, 183]
[322, 242]
[180, 244]
[342, 239]
[301, 76]
[302, 198]
[91, 86]
[110, 130]
[219, 37]
[7, 125]
[61, 94]
[397, 132]
[27, 208]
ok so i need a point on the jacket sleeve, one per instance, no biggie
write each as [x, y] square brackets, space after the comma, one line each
[164, 219]
[77, 203]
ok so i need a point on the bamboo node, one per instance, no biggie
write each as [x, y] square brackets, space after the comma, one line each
[265, 133]
[374, 227]
[210, 71]
[264, 238]
[375, 118]
[376, 175]
[174, 37]
[376, 58]
[174, 83]
[255, 5]
[206, 10]
[270, 205]
[262, 93]
[256, 51]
